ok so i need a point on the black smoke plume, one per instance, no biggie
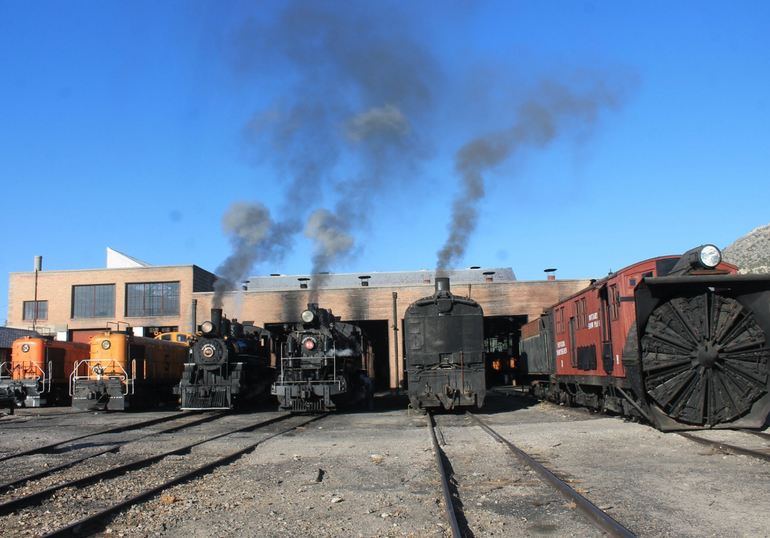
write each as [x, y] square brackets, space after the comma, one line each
[553, 110]
[254, 238]
[363, 83]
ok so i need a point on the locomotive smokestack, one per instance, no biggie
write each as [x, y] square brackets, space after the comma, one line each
[216, 319]
[442, 283]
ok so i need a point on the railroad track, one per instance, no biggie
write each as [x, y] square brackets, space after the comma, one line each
[85, 454]
[155, 473]
[115, 429]
[455, 512]
[450, 505]
[762, 453]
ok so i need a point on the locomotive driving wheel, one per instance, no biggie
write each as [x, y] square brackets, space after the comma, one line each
[704, 358]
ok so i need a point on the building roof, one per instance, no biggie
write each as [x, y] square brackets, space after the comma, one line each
[8, 335]
[119, 260]
[277, 282]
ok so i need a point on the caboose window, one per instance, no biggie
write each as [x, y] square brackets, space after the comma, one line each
[581, 314]
[614, 302]
[35, 310]
[560, 320]
[93, 301]
[152, 299]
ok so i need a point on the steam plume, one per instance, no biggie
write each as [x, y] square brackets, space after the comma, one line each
[552, 111]
[254, 238]
[356, 102]
[332, 241]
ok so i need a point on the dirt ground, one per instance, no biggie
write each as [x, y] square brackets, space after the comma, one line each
[374, 475]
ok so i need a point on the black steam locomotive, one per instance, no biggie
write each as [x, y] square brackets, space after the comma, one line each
[445, 351]
[229, 365]
[323, 364]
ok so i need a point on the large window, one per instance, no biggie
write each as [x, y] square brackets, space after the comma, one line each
[152, 299]
[93, 301]
[35, 310]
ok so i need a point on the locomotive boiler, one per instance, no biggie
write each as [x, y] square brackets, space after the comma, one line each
[680, 341]
[323, 364]
[445, 351]
[229, 365]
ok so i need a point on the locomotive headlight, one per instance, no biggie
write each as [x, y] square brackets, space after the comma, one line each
[25, 348]
[710, 256]
[207, 327]
[106, 344]
[208, 351]
[309, 343]
[308, 316]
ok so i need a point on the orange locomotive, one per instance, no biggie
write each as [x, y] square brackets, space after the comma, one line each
[39, 370]
[125, 371]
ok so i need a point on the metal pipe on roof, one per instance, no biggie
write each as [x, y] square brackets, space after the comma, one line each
[395, 339]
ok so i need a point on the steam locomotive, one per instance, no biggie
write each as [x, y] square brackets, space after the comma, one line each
[680, 341]
[230, 365]
[445, 351]
[323, 364]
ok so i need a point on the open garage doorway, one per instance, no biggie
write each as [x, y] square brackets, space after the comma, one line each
[377, 333]
[501, 348]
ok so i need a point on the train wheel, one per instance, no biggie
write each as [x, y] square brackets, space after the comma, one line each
[704, 358]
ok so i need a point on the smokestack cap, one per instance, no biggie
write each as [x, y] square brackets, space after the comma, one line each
[442, 283]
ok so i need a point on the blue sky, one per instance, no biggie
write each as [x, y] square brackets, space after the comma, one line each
[125, 124]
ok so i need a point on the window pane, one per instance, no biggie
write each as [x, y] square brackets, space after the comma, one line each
[29, 310]
[93, 301]
[152, 299]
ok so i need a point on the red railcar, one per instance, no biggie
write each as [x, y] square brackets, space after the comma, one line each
[678, 340]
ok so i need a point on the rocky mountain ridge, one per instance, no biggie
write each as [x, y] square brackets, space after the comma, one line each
[751, 253]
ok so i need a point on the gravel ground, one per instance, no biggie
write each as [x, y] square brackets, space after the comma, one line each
[373, 474]
[499, 495]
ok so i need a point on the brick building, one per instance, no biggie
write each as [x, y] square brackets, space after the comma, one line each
[75, 304]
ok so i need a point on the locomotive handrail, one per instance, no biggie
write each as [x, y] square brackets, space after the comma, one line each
[124, 377]
[130, 381]
[49, 377]
[23, 366]
[285, 359]
[4, 366]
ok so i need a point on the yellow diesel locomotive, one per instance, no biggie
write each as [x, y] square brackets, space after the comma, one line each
[126, 371]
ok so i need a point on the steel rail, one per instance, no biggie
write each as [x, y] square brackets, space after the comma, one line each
[763, 435]
[113, 448]
[92, 522]
[596, 515]
[726, 447]
[448, 501]
[35, 498]
[117, 429]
